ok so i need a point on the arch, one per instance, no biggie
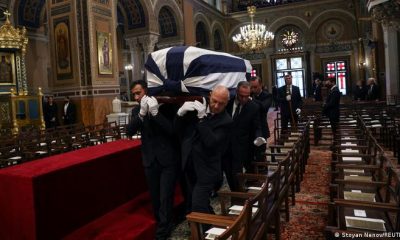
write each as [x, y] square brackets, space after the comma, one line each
[176, 11]
[30, 13]
[288, 27]
[201, 17]
[167, 23]
[218, 29]
[202, 37]
[174, 7]
[135, 14]
[325, 13]
[289, 20]
[322, 18]
[217, 40]
[200, 20]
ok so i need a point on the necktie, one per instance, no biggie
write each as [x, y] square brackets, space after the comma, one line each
[237, 111]
[288, 90]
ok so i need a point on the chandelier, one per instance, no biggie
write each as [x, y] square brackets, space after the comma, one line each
[253, 37]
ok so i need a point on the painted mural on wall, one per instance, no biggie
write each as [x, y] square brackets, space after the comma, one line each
[7, 68]
[104, 52]
[63, 49]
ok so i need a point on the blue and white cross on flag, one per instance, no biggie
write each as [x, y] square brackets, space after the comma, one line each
[194, 71]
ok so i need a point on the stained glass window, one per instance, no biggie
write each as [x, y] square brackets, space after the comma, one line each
[253, 73]
[339, 71]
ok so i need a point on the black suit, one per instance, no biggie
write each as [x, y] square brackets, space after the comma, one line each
[296, 102]
[50, 115]
[70, 114]
[372, 92]
[240, 153]
[202, 144]
[331, 107]
[317, 93]
[360, 93]
[264, 101]
[160, 160]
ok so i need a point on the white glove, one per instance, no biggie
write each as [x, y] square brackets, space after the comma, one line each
[187, 106]
[201, 108]
[288, 97]
[143, 106]
[298, 111]
[259, 141]
[153, 105]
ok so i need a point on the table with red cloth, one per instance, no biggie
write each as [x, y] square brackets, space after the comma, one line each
[52, 197]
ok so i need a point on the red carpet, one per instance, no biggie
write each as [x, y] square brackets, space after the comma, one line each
[308, 217]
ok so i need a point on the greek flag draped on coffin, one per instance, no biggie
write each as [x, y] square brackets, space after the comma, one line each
[194, 71]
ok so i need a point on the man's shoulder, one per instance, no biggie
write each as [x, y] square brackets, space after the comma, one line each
[264, 95]
[223, 118]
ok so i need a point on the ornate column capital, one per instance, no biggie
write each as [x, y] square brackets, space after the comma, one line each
[386, 12]
[134, 44]
[148, 42]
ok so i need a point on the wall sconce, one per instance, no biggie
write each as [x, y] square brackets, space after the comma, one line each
[128, 67]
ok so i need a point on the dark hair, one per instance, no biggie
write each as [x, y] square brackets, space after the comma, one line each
[243, 84]
[287, 74]
[139, 82]
[332, 80]
[256, 78]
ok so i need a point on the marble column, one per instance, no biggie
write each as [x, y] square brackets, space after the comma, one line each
[386, 12]
[390, 37]
[148, 42]
[136, 52]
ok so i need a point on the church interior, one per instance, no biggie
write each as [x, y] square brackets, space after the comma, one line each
[69, 169]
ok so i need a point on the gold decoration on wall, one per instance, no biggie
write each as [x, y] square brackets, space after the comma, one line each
[12, 38]
[290, 38]
[13, 43]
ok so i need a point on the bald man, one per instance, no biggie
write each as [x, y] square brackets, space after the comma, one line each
[203, 132]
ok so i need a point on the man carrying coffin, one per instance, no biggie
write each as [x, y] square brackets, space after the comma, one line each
[264, 100]
[203, 138]
[246, 127]
[159, 153]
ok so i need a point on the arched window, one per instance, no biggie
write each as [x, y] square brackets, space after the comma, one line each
[217, 41]
[201, 35]
[167, 23]
[134, 13]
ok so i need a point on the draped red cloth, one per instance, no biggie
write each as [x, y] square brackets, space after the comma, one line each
[52, 197]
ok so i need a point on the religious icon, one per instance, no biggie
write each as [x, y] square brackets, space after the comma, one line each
[7, 68]
[104, 51]
[62, 47]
